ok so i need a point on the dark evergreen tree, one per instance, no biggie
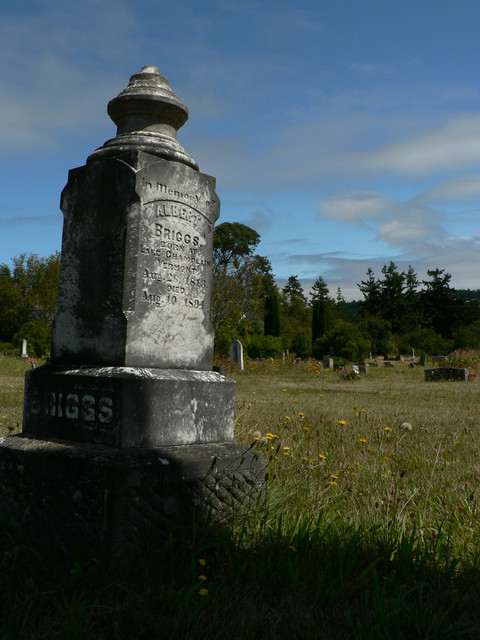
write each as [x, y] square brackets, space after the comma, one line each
[295, 314]
[371, 289]
[393, 306]
[272, 315]
[441, 309]
[293, 295]
[323, 317]
[320, 291]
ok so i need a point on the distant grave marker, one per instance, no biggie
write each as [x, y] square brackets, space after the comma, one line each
[446, 373]
[236, 354]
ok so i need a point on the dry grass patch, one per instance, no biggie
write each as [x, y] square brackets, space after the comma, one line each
[12, 372]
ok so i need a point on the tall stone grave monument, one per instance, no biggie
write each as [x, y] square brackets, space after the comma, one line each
[128, 427]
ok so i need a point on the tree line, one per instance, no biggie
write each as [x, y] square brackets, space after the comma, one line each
[397, 311]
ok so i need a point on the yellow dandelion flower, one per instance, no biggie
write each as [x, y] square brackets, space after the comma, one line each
[342, 422]
[332, 482]
[387, 429]
[355, 406]
[363, 440]
[203, 591]
[306, 429]
[332, 475]
[287, 417]
[320, 455]
[283, 389]
[286, 448]
[301, 414]
[202, 562]
[202, 578]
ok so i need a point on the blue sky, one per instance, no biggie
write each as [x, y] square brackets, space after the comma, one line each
[347, 133]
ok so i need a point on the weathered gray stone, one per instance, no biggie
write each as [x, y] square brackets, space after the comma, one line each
[103, 500]
[327, 363]
[128, 428]
[135, 280]
[236, 354]
[436, 359]
[128, 406]
[446, 373]
[24, 352]
[423, 360]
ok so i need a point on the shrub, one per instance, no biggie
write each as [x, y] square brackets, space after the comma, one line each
[38, 336]
[378, 332]
[345, 340]
[301, 345]
[426, 340]
[257, 346]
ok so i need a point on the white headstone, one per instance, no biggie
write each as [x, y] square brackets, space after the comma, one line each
[24, 349]
[236, 353]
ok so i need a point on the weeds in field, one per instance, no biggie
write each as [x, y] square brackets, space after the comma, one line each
[369, 527]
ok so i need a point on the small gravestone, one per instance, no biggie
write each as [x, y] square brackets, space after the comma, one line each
[128, 431]
[423, 360]
[441, 359]
[24, 353]
[412, 353]
[362, 367]
[327, 363]
[388, 363]
[236, 354]
[399, 357]
[446, 373]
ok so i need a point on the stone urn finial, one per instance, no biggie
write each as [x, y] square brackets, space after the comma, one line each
[147, 114]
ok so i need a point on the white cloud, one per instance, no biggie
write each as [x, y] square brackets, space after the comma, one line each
[355, 206]
[452, 147]
[409, 234]
[459, 189]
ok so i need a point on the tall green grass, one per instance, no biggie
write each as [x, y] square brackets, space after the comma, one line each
[368, 528]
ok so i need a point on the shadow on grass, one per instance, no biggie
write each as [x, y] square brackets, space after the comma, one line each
[314, 581]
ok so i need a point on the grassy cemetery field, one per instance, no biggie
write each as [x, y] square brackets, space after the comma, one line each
[368, 528]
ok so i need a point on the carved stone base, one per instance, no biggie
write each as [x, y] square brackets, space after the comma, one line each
[128, 406]
[105, 500]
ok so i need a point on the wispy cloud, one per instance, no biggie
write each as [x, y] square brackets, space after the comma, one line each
[353, 207]
[52, 219]
[452, 147]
